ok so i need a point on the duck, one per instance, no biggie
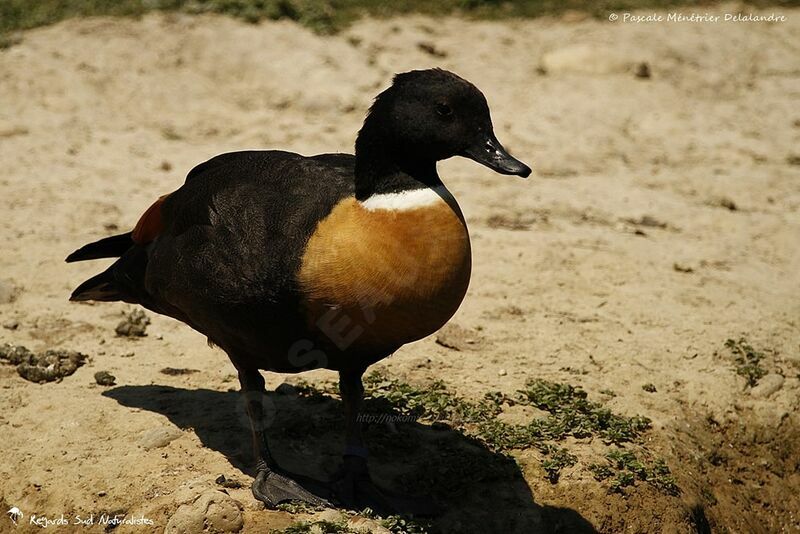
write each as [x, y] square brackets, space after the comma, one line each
[290, 263]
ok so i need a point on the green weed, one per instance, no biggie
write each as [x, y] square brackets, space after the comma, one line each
[747, 360]
[322, 526]
[624, 468]
[569, 414]
[558, 458]
[572, 414]
[404, 525]
[395, 523]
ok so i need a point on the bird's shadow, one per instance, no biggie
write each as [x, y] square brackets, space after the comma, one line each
[478, 490]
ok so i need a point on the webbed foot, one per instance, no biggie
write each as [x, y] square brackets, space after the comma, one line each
[273, 488]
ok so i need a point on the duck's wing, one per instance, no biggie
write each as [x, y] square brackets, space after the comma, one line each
[235, 232]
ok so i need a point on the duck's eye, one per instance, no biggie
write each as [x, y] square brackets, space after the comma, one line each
[443, 109]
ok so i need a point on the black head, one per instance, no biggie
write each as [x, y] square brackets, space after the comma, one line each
[431, 115]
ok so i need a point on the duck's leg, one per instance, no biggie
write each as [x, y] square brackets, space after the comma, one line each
[353, 486]
[354, 470]
[272, 485]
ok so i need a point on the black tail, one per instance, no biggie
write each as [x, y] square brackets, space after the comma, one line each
[100, 287]
[108, 247]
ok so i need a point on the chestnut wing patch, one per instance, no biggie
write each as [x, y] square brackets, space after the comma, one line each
[150, 223]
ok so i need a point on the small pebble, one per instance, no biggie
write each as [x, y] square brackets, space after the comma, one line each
[11, 324]
[159, 437]
[104, 378]
[456, 337]
[173, 371]
[8, 292]
[211, 511]
[431, 49]
[228, 482]
[334, 516]
[767, 386]
[725, 202]
[502, 372]
[365, 524]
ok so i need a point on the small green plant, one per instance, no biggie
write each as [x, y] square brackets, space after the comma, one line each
[623, 469]
[395, 523]
[748, 360]
[558, 459]
[300, 527]
[403, 525]
[296, 507]
[570, 414]
[322, 526]
[601, 471]
[660, 477]
[622, 480]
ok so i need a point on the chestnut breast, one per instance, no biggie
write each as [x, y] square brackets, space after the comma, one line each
[386, 271]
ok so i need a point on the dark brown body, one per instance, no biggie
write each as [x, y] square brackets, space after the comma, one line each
[291, 263]
[284, 279]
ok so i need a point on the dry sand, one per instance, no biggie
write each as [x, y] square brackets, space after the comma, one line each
[98, 117]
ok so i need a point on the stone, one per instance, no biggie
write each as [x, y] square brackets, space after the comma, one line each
[220, 511]
[334, 516]
[186, 520]
[587, 59]
[174, 371]
[104, 378]
[8, 292]
[188, 492]
[364, 524]
[230, 483]
[458, 338]
[767, 386]
[159, 437]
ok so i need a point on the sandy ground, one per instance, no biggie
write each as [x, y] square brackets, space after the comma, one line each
[98, 117]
